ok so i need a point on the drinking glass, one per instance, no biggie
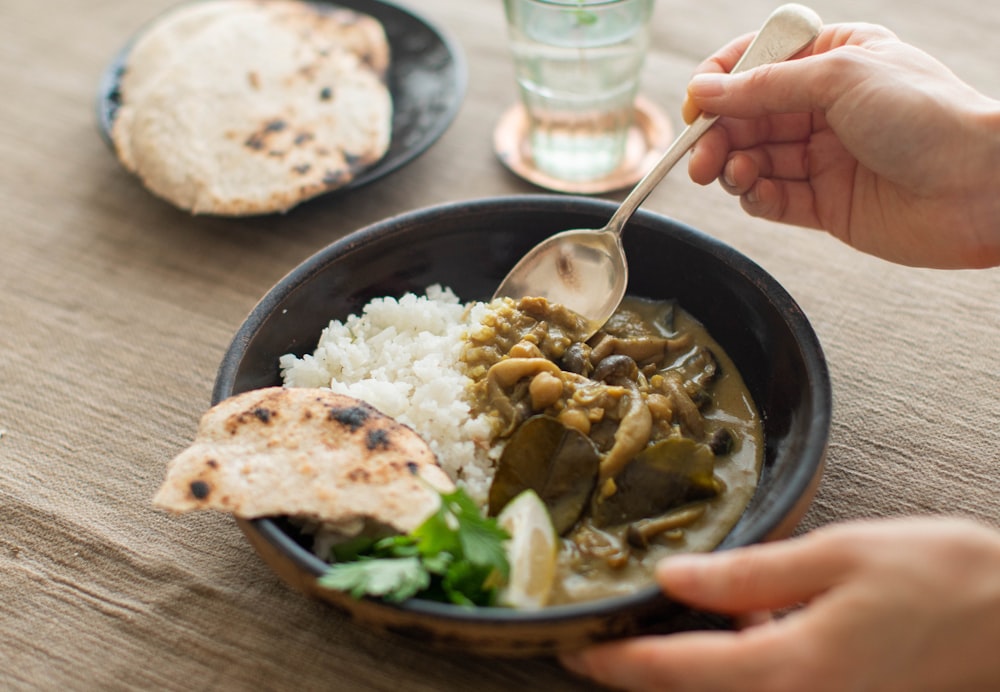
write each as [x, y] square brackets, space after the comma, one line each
[578, 64]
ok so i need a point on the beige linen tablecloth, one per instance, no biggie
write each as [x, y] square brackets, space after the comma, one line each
[115, 310]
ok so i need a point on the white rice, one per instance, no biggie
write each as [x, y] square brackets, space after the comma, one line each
[403, 357]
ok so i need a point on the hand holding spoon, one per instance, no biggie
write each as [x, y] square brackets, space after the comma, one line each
[585, 269]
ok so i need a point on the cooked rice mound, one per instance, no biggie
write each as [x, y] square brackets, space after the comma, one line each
[403, 356]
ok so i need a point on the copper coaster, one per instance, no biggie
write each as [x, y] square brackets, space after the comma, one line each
[648, 138]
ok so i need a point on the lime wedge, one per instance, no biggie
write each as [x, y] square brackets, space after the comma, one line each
[531, 551]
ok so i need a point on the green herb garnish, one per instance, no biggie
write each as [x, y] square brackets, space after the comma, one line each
[455, 556]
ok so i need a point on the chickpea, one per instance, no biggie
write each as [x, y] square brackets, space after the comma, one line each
[660, 407]
[524, 349]
[545, 390]
[576, 419]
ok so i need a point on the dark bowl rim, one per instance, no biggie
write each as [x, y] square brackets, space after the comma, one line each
[811, 458]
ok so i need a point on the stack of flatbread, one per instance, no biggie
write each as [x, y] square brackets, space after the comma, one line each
[310, 454]
[238, 107]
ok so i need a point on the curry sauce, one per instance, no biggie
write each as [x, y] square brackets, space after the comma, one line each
[642, 440]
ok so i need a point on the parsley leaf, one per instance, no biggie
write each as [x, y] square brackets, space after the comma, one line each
[352, 549]
[394, 579]
[456, 555]
[482, 544]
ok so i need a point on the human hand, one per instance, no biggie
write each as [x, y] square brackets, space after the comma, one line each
[903, 604]
[863, 136]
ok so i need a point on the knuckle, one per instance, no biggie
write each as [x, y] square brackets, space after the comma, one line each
[758, 78]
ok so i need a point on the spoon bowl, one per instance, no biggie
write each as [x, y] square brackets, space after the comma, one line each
[586, 270]
[583, 269]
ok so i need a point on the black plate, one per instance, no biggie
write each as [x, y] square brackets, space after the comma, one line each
[427, 80]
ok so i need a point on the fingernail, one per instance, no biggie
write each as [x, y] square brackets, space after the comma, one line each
[728, 175]
[753, 194]
[707, 85]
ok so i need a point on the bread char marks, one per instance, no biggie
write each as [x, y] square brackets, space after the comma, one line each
[234, 107]
[309, 453]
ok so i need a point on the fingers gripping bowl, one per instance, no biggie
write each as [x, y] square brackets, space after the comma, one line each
[469, 247]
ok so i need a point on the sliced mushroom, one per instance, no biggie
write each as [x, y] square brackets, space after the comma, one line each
[722, 442]
[577, 359]
[632, 435]
[616, 369]
[593, 542]
[640, 533]
[699, 370]
[507, 372]
[686, 410]
[505, 375]
[640, 349]
[636, 425]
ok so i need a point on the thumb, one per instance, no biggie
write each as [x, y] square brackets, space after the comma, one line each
[761, 577]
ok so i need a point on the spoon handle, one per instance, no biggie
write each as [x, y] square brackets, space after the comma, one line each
[789, 29]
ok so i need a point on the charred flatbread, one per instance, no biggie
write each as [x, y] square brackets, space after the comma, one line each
[238, 107]
[306, 453]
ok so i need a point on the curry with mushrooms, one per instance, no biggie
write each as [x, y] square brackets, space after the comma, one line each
[641, 441]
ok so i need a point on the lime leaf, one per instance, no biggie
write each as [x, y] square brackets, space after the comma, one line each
[557, 462]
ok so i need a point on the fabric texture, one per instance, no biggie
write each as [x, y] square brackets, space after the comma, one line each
[116, 308]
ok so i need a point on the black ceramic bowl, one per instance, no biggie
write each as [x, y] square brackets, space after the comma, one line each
[470, 246]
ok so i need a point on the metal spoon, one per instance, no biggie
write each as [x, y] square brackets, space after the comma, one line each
[585, 269]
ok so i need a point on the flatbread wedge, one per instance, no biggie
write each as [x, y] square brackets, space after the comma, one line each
[310, 454]
[241, 107]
